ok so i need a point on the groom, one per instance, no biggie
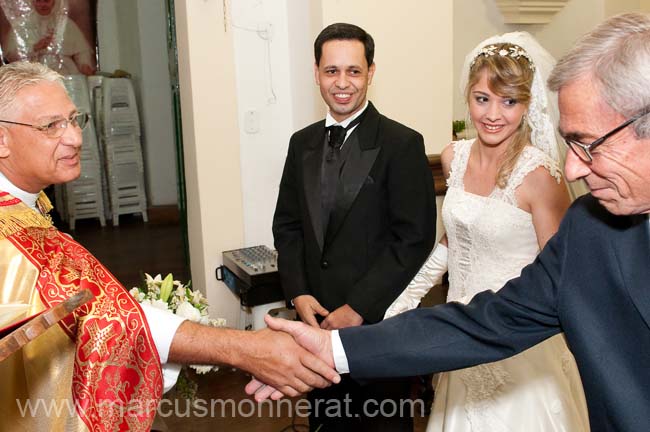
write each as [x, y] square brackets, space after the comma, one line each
[591, 279]
[355, 217]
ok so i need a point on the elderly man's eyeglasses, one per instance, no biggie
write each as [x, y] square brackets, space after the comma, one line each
[583, 151]
[57, 128]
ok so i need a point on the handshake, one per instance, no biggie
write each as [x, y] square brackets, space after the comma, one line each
[299, 358]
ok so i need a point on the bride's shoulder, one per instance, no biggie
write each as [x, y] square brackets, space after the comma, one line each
[456, 149]
[452, 153]
[533, 159]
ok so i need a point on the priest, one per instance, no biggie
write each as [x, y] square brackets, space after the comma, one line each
[103, 367]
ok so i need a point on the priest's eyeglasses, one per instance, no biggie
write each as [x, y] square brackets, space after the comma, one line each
[584, 151]
[57, 128]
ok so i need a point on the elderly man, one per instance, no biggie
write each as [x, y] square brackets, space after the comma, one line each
[102, 366]
[590, 281]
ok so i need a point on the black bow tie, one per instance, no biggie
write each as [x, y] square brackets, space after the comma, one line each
[336, 136]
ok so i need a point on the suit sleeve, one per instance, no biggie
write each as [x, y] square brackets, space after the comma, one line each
[493, 326]
[412, 225]
[288, 230]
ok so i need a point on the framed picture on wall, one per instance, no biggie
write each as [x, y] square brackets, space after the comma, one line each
[58, 33]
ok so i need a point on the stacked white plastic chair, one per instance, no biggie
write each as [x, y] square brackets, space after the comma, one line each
[82, 198]
[95, 91]
[122, 150]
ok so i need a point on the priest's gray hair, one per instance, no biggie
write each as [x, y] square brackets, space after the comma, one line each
[18, 75]
[616, 55]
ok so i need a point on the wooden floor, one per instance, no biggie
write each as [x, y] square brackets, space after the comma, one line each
[135, 247]
[227, 385]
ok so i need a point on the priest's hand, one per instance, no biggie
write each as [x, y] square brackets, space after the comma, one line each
[272, 356]
[316, 341]
[275, 358]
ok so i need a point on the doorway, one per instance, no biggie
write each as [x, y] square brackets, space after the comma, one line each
[138, 37]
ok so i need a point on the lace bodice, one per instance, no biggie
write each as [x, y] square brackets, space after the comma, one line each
[490, 238]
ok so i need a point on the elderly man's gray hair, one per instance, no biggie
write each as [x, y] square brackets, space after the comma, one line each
[15, 76]
[616, 55]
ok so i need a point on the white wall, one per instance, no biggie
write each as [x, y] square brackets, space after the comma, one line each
[133, 37]
[264, 90]
[476, 20]
[158, 140]
[412, 83]
[128, 37]
[107, 36]
[229, 65]
[613, 7]
[305, 21]
[222, 159]
[211, 145]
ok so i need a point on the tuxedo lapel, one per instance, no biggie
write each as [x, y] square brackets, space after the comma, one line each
[359, 162]
[633, 253]
[312, 158]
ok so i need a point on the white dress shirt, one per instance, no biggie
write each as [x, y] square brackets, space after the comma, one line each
[340, 359]
[338, 352]
[330, 121]
[163, 324]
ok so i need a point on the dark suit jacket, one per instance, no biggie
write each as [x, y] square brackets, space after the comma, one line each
[591, 281]
[381, 229]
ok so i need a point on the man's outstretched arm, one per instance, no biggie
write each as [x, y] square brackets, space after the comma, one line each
[451, 336]
[273, 357]
[491, 327]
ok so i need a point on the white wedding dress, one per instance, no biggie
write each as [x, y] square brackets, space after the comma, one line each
[490, 240]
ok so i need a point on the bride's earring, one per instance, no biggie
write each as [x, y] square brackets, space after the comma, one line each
[524, 120]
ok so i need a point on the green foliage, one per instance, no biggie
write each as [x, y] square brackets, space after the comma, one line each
[458, 126]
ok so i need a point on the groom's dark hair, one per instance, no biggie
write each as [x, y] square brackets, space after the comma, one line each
[344, 31]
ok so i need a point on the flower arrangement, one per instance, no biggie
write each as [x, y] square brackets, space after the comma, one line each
[178, 298]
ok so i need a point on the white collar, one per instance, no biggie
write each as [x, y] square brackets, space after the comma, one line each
[329, 120]
[27, 197]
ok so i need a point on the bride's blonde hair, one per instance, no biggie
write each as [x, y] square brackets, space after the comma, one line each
[508, 75]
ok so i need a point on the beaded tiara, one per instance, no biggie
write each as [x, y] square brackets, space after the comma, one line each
[514, 52]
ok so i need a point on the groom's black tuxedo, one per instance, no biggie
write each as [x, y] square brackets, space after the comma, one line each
[591, 281]
[381, 228]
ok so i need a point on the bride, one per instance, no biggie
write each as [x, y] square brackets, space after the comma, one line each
[505, 200]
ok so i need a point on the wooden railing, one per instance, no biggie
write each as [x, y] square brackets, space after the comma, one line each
[436, 170]
[438, 294]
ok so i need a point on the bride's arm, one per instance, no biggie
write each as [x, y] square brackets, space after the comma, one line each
[547, 200]
[434, 267]
[430, 274]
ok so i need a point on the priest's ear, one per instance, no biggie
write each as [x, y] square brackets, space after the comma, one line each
[5, 138]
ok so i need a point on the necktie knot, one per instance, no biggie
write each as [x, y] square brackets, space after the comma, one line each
[335, 136]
